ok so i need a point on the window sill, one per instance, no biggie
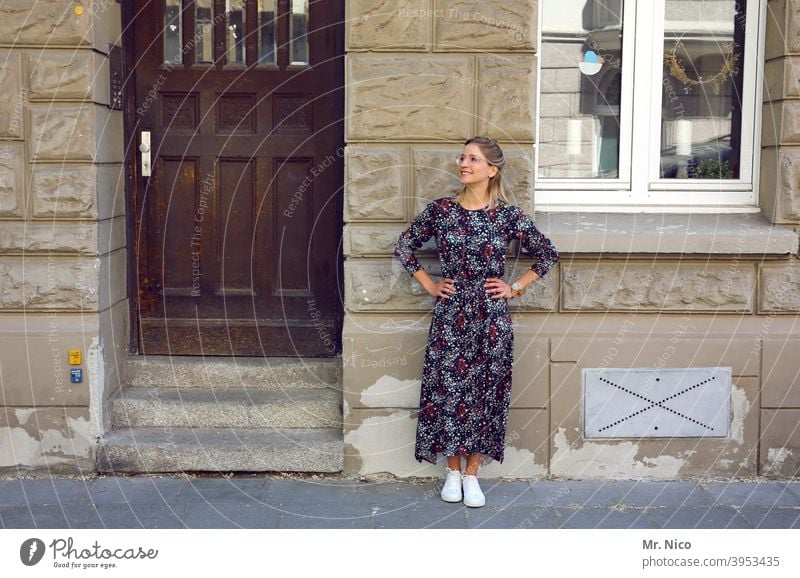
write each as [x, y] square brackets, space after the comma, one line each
[678, 234]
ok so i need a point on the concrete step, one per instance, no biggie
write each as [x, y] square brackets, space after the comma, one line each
[237, 372]
[153, 450]
[159, 407]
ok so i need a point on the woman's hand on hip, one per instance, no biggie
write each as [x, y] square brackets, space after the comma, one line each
[497, 288]
[444, 288]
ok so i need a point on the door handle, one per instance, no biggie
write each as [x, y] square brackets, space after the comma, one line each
[144, 148]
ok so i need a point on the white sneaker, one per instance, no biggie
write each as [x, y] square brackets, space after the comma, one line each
[473, 497]
[451, 491]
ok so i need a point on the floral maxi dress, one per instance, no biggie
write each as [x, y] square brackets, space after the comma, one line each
[466, 377]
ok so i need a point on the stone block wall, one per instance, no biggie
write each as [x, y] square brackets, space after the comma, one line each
[424, 75]
[62, 237]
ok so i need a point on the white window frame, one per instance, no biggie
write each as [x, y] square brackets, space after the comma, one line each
[639, 188]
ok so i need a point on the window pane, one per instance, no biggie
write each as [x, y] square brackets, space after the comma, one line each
[204, 31]
[580, 84]
[172, 32]
[299, 32]
[266, 31]
[234, 11]
[701, 107]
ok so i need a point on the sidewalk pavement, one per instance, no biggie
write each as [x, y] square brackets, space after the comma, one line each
[320, 501]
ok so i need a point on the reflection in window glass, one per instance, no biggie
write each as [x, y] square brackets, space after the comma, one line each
[580, 83]
[701, 97]
[299, 32]
[234, 11]
[172, 32]
[204, 31]
[266, 31]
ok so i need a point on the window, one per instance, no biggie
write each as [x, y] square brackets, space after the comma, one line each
[649, 105]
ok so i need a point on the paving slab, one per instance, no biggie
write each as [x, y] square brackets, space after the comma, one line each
[227, 515]
[136, 516]
[319, 501]
[752, 494]
[512, 517]
[223, 490]
[604, 517]
[424, 516]
[716, 517]
[771, 518]
[139, 490]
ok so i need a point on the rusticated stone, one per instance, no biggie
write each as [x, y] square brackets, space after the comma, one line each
[11, 179]
[506, 87]
[381, 24]
[435, 175]
[377, 286]
[781, 78]
[375, 187]
[781, 123]
[64, 191]
[539, 296]
[52, 236]
[48, 284]
[665, 287]
[375, 240]
[403, 97]
[12, 95]
[790, 189]
[60, 133]
[62, 74]
[518, 177]
[780, 287]
[474, 24]
[50, 22]
[783, 28]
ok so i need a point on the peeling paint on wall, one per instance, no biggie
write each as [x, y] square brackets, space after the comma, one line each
[45, 448]
[389, 391]
[23, 414]
[385, 443]
[517, 463]
[609, 460]
[96, 369]
[775, 459]
[740, 406]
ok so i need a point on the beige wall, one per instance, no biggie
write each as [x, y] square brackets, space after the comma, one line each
[423, 75]
[62, 235]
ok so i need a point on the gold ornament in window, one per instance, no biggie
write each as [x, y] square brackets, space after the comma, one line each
[728, 69]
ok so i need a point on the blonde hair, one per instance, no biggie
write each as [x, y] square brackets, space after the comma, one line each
[494, 156]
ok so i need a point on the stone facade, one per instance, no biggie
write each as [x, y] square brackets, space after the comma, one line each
[426, 75]
[63, 260]
[422, 76]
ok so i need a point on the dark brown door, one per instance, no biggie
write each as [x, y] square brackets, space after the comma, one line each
[236, 229]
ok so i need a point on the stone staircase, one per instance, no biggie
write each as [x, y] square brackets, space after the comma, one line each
[178, 414]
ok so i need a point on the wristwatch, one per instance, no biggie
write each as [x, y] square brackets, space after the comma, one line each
[516, 289]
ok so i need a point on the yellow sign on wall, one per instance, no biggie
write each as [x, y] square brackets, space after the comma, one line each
[74, 356]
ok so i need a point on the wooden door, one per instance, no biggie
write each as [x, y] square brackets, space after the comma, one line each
[236, 230]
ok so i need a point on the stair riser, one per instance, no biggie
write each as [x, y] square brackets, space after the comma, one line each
[136, 413]
[327, 458]
[223, 374]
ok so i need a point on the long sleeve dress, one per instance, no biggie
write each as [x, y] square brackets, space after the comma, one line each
[466, 377]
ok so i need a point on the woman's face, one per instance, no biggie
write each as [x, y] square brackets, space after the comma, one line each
[475, 172]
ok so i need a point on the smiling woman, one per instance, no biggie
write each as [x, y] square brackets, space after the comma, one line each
[466, 381]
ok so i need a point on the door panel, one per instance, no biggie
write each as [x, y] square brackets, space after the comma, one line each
[236, 241]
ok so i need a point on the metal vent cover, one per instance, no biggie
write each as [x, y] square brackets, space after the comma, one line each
[655, 403]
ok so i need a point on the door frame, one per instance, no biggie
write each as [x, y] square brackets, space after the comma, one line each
[131, 169]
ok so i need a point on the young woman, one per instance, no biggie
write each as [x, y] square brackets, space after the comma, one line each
[466, 378]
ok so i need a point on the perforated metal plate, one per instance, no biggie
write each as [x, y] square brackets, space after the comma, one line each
[645, 402]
